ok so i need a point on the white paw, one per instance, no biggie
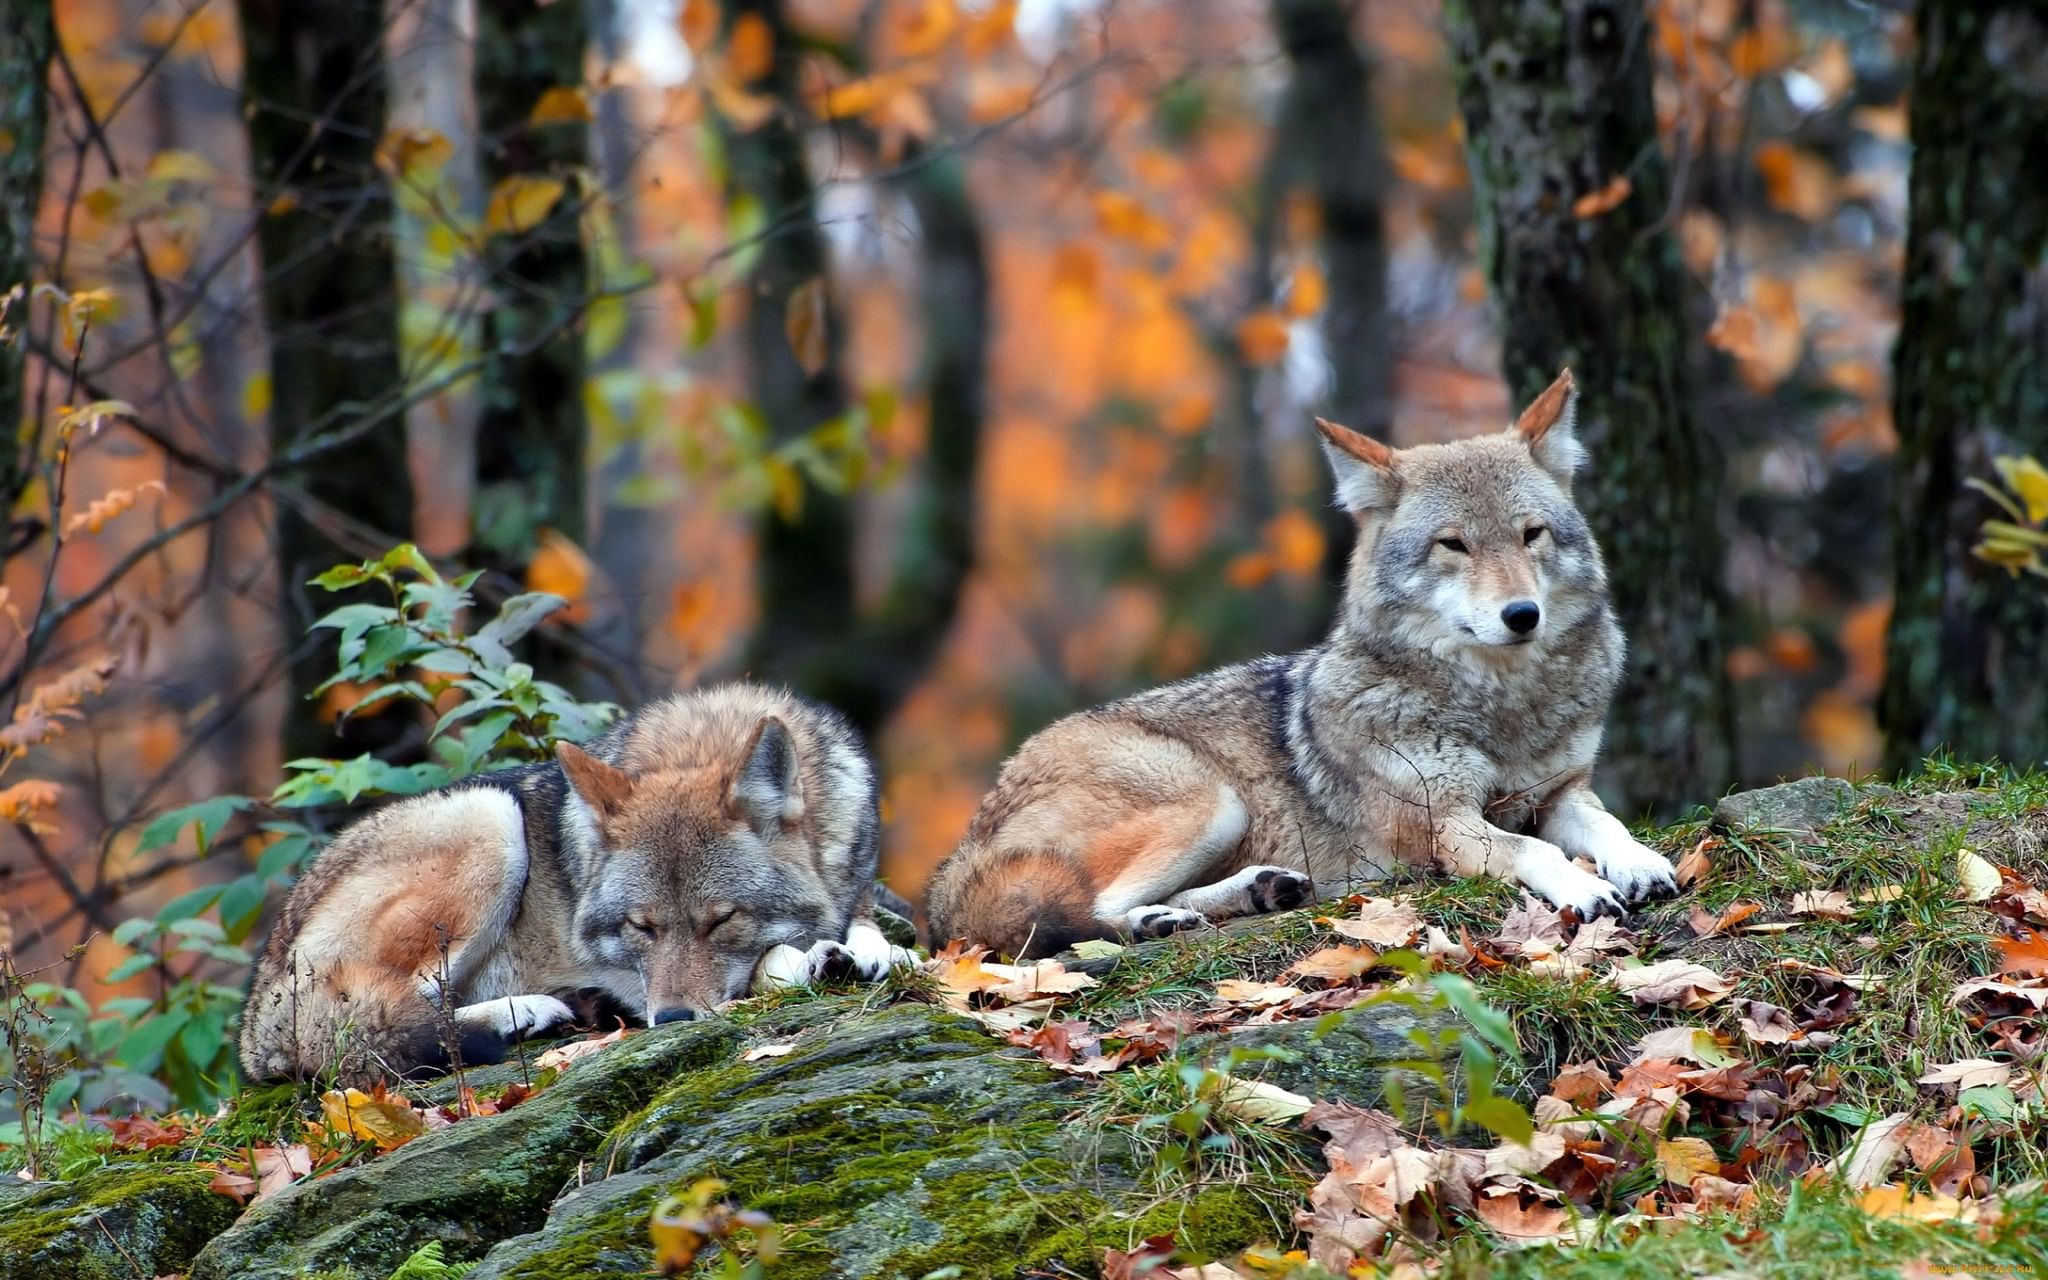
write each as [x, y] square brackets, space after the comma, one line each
[783, 966]
[873, 954]
[1639, 872]
[516, 1017]
[1159, 920]
[1548, 873]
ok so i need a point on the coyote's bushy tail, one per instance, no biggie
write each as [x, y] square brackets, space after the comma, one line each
[1024, 905]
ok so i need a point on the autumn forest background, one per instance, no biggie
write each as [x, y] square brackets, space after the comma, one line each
[954, 362]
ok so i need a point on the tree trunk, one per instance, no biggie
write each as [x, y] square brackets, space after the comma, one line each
[314, 90]
[1557, 106]
[806, 574]
[27, 36]
[531, 443]
[1967, 666]
[1325, 145]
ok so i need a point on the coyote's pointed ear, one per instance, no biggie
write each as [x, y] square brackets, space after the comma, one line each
[603, 787]
[1549, 426]
[767, 792]
[1364, 468]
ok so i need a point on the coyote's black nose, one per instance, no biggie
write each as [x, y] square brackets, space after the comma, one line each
[677, 1014]
[1521, 616]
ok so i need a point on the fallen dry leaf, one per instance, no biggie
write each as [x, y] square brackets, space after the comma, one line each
[563, 1054]
[1872, 1153]
[279, 1167]
[1969, 1073]
[1335, 964]
[1767, 1023]
[1534, 926]
[1261, 1102]
[1673, 982]
[1828, 904]
[759, 1052]
[1136, 1264]
[1705, 925]
[389, 1122]
[1256, 995]
[1978, 878]
[1688, 1044]
[2028, 955]
[1694, 865]
[1681, 1160]
[1383, 922]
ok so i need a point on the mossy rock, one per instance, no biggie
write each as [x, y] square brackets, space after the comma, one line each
[466, 1186]
[113, 1223]
[892, 1145]
[1799, 808]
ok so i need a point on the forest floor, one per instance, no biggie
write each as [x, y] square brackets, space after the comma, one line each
[1824, 1059]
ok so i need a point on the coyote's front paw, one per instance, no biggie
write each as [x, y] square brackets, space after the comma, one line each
[1641, 873]
[1160, 920]
[1551, 875]
[873, 954]
[516, 1017]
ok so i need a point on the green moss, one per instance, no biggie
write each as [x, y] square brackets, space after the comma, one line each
[107, 1223]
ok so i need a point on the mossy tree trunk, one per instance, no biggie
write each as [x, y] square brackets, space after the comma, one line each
[1556, 99]
[27, 36]
[314, 95]
[1968, 660]
[813, 633]
[531, 441]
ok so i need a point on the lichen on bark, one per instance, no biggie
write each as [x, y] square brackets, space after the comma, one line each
[1556, 100]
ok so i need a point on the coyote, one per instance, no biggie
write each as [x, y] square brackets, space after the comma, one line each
[1450, 719]
[711, 840]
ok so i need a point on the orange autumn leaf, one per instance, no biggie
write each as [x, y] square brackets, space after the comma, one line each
[1296, 542]
[100, 510]
[750, 49]
[24, 802]
[924, 28]
[561, 567]
[804, 322]
[1334, 964]
[2014, 955]
[1795, 181]
[1604, 200]
[1126, 218]
[1251, 569]
[1262, 336]
[1307, 293]
[563, 104]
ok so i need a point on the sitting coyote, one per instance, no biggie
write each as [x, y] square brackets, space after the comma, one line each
[712, 839]
[1450, 719]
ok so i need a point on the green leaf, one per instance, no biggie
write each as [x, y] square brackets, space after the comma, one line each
[1492, 1025]
[343, 576]
[129, 930]
[187, 906]
[209, 815]
[143, 1048]
[463, 711]
[140, 962]
[285, 857]
[241, 905]
[407, 556]
[1502, 1117]
[518, 615]
[202, 1040]
[1995, 1103]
